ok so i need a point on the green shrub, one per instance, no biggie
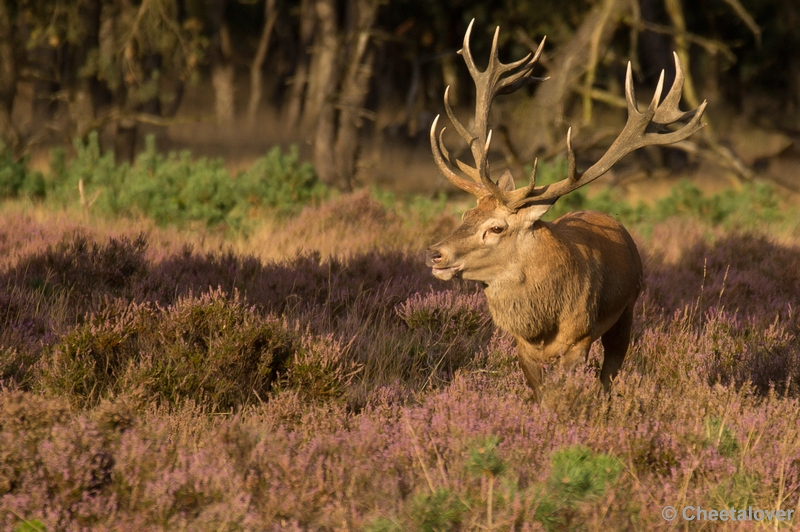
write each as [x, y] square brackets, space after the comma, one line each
[720, 436]
[441, 510]
[175, 189]
[577, 475]
[484, 458]
[16, 179]
[279, 181]
[30, 525]
[752, 203]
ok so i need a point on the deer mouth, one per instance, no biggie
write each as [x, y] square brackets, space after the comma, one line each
[445, 274]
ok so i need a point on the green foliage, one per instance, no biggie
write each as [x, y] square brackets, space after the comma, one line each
[173, 189]
[439, 511]
[577, 475]
[721, 437]
[414, 208]
[484, 458]
[748, 206]
[177, 190]
[30, 525]
[752, 203]
[15, 178]
[280, 181]
[737, 490]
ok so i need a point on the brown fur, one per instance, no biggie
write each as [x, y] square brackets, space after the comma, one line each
[556, 287]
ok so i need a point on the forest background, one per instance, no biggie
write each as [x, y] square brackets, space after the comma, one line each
[356, 83]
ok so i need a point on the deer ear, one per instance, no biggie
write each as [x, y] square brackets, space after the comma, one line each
[533, 212]
[506, 182]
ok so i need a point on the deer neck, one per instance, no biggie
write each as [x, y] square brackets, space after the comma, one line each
[526, 300]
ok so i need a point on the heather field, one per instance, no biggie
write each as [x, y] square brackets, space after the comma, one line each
[308, 373]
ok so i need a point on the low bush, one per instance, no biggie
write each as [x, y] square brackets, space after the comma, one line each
[209, 349]
[17, 180]
[174, 189]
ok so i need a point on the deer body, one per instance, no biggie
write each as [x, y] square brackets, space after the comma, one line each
[549, 292]
[556, 287]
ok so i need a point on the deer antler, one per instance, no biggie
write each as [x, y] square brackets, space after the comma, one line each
[498, 78]
[642, 129]
[648, 128]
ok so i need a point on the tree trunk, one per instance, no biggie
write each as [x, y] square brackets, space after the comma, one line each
[44, 59]
[256, 75]
[222, 79]
[319, 113]
[222, 70]
[8, 81]
[355, 88]
[323, 74]
[544, 120]
[340, 98]
[125, 140]
[294, 107]
[82, 91]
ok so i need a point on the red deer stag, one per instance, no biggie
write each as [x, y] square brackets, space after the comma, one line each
[556, 287]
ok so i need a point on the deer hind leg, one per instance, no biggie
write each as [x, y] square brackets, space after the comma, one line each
[615, 346]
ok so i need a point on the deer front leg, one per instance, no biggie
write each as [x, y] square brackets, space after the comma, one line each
[533, 371]
[533, 357]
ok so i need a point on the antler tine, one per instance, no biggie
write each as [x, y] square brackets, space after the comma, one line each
[482, 163]
[657, 94]
[516, 80]
[462, 131]
[673, 97]
[572, 173]
[519, 197]
[476, 189]
[446, 155]
[641, 129]
[465, 52]
[630, 93]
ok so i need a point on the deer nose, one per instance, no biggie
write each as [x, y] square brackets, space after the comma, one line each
[432, 257]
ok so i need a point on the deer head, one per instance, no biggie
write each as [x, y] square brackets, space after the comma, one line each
[489, 236]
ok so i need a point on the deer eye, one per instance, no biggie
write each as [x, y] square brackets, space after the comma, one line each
[496, 229]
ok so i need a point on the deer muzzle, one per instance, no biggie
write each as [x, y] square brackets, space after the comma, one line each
[441, 268]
